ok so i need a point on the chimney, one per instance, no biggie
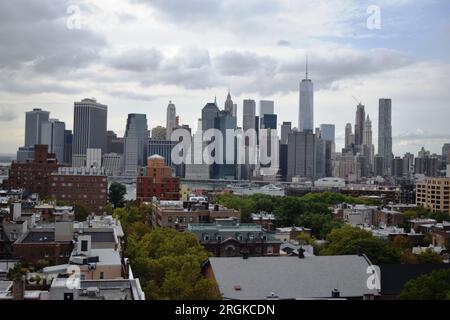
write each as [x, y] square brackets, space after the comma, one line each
[301, 253]
[18, 289]
[335, 294]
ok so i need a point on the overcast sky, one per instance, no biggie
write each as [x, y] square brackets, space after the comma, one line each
[136, 55]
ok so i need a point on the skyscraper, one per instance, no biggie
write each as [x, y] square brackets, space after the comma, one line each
[68, 141]
[349, 137]
[90, 123]
[385, 134]
[301, 155]
[136, 143]
[229, 105]
[368, 147]
[209, 114]
[266, 107]
[33, 126]
[359, 124]
[223, 122]
[171, 122]
[286, 129]
[53, 135]
[306, 112]
[446, 152]
[328, 132]
[249, 114]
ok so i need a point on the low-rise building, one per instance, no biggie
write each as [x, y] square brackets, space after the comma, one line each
[229, 238]
[265, 220]
[178, 214]
[387, 218]
[285, 278]
[434, 194]
[86, 185]
[291, 233]
[33, 176]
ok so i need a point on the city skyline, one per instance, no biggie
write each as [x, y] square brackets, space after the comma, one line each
[127, 67]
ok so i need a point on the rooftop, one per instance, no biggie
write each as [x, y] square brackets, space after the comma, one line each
[291, 277]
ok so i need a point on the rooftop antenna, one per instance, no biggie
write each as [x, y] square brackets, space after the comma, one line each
[306, 67]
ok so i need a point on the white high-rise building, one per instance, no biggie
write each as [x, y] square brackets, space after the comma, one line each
[113, 164]
[368, 147]
[93, 158]
[171, 122]
[90, 123]
[306, 112]
[53, 135]
[136, 143]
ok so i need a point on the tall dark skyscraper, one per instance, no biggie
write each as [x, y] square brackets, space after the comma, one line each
[68, 141]
[90, 128]
[301, 155]
[33, 126]
[385, 134]
[209, 114]
[223, 122]
[359, 124]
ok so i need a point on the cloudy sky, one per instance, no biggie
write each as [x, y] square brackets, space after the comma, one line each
[136, 55]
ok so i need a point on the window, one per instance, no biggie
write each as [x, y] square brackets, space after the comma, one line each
[84, 245]
[102, 275]
[269, 250]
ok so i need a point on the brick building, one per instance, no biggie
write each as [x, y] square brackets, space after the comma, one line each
[33, 176]
[157, 181]
[178, 214]
[86, 185]
[434, 194]
[228, 238]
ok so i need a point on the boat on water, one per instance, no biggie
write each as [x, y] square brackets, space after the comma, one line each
[271, 187]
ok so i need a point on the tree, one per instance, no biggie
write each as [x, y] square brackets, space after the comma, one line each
[321, 224]
[116, 195]
[81, 211]
[434, 286]
[17, 272]
[429, 257]
[168, 264]
[159, 133]
[351, 240]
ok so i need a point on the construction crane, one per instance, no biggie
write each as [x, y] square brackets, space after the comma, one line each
[358, 101]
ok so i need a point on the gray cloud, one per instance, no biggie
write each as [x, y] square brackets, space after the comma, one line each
[35, 34]
[138, 60]
[7, 114]
[234, 63]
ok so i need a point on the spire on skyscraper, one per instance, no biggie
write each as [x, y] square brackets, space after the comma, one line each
[306, 67]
